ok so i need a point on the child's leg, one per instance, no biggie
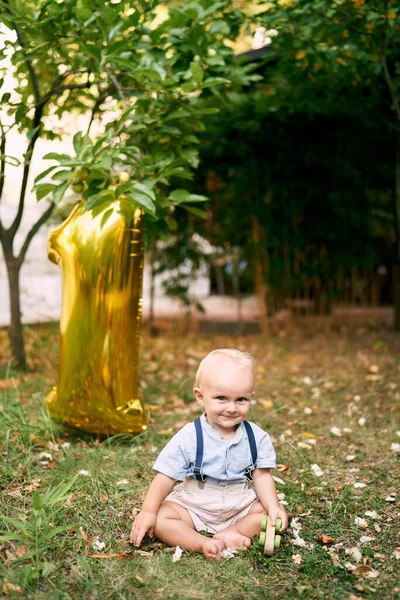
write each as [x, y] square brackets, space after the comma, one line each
[175, 527]
[241, 533]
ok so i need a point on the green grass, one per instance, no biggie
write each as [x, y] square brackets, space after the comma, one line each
[100, 506]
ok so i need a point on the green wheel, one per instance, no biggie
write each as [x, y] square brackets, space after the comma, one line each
[278, 525]
[261, 541]
[264, 524]
[277, 542]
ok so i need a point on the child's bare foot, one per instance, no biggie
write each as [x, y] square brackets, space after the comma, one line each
[233, 539]
[212, 548]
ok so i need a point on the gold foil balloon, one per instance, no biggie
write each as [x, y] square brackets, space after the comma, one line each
[100, 253]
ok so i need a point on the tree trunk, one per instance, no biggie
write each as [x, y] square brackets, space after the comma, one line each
[397, 267]
[15, 329]
[260, 287]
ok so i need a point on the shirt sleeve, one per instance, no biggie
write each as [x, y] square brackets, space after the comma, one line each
[172, 460]
[266, 456]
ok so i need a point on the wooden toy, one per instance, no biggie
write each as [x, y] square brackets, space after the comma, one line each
[268, 537]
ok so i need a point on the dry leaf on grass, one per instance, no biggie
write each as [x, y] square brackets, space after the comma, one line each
[10, 589]
[5, 384]
[117, 556]
[326, 539]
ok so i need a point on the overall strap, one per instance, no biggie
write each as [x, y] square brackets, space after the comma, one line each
[253, 450]
[198, 465]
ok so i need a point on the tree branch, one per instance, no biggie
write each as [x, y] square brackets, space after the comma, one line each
[29, 66]
[2, 159]
[32, 232]
[389, 83]
[27, 165]
[117, 85]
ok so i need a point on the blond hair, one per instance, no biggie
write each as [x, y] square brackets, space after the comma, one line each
[242, 358]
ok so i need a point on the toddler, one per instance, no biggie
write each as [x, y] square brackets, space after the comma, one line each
[215, 457]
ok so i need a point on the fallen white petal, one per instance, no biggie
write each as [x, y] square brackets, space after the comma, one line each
[360, 485]
[85, 473]
[371, 513]
[355, 554]
[356, 398]
[43, 456]
[349, 457]
[396, 553]
[307, 380]
[304, 446]
[362, 421]
[98, 545]
[395, 448]
[364, 539]
[318, 472]
[281, 496]
[297, 558]
[122, 482]
[372, 574]
[229, 553]
[278, 480]
[347, 430]
[177, 554]
[362, 523]
[336, 431]
[308, 411]
[349, 566]
[390, 499]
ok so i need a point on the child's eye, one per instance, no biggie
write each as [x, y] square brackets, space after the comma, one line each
[241, 400]
[221, 398]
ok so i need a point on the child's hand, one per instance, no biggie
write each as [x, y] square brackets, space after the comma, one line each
[278, 512]
[144, 522]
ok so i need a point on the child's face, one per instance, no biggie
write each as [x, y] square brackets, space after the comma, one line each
[225, 391]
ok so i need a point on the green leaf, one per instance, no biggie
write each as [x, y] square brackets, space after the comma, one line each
[54, 495]
[189, 86]
[197, 72]
[144, 201]
[37, 501]
[196, 198]
[141, 188]
[46, 172]
[42, 190]
[214, 81]
[207, 111]
[179, 196]
[96, 200]
[220, 26]
[177, 114]
[59, 191]
[32, 132]
[56, 156]
[105, 217]
[195, 211]
[92, 51]
[63, 175]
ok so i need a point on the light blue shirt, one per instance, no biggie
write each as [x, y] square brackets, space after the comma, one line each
[223, 460]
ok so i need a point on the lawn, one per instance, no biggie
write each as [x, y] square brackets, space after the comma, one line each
[330, 400]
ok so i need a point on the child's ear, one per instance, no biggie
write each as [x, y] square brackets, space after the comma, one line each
[198, 395]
